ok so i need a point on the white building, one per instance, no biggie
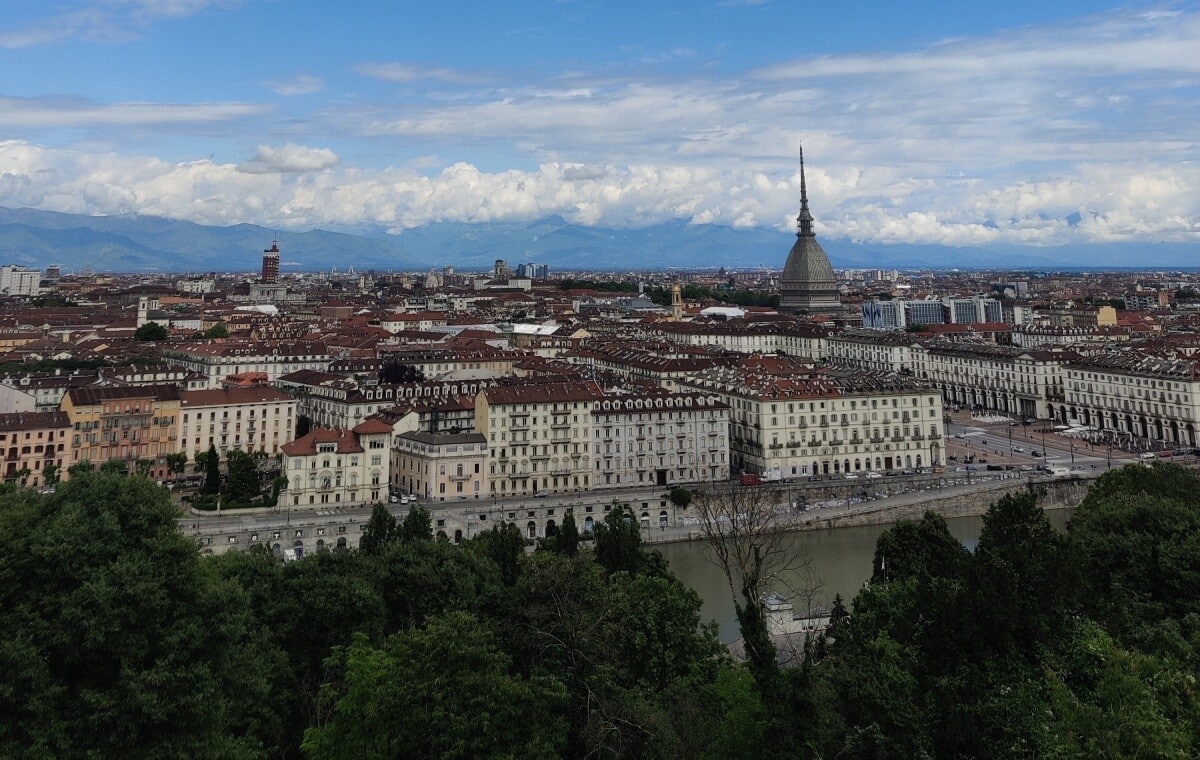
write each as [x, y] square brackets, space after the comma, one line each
[243, 419]
[1138, 396]
[19, 281]
[659, 439]
[827, 422]
[337, 467]
[218, 360]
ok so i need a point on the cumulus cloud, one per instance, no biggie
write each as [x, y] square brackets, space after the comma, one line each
[304, 188]
[1080, 133]
[287, 159]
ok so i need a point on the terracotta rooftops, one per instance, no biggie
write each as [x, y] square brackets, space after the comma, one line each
[346, 442]
[95, 395]
[233, 396]
[33, 421]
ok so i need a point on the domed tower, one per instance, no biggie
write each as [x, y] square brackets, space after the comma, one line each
[808, 282]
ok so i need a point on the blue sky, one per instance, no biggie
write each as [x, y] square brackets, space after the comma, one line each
[937, 122]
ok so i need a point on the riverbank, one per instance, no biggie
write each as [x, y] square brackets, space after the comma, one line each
[969, 500]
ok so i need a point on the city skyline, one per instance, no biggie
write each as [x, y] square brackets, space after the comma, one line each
[1025, 125]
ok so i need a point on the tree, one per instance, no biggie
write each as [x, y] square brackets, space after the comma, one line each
[680, 497]
[303, 425]
[242, 484]
[619, 542]
[218, 330]
[80, 468]
[151, 331]
[277, 485]
[394, 373]
[567, 540]
[115, 467]
[50, 473]
[212, 471]
[444, 690]
[381, 530]
[176, 463]
[503, 545]
[417, 525]
[922, 548]
[742, 534]
[117, 641]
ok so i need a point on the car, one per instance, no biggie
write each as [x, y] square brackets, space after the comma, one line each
[540, 494]
[1036, 453]
[393, 499]
[873, 475]
[1018, 450]
[851, 476]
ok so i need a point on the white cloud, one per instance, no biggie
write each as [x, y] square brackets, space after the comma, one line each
[299, 187]
[289, 158]
[1084, 133]
[105, 21]
[301, 84]
[17, 113]
[401, 72]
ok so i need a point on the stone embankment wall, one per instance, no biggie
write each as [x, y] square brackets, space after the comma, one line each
[1060, 493]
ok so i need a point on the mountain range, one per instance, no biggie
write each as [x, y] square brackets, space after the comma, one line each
[134, 243]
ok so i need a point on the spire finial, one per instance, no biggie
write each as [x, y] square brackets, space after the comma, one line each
[805, 220]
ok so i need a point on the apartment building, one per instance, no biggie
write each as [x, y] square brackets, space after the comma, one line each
[440, 466]
[347, 467]
[32, 442]
[839, 421]
[217, 360]
[1020, 382]
[538, 437]
[127, 423]
[646, 439]
[245, 419]
[1134, 395]
[791, 338]
[335, 401]
[1011, 380]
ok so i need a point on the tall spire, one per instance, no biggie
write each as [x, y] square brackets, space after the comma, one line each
[805, 220]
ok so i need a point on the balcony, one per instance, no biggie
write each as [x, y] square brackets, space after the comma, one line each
[776, 446]
[934, 436]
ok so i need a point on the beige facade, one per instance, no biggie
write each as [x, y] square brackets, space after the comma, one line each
[440, 467]
[218, 360]
[1016, 381]
[829, 423]
[1135, 396]
[346, 467]
[538, 437]
[242, 419]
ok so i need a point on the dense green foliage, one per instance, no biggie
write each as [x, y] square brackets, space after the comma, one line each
[119, 640]
[150, 331]
[1039, 644]
[662, 296]
[603, 287]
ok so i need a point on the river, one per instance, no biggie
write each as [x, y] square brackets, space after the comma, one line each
[840, 561]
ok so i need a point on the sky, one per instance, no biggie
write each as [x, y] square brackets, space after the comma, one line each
[957, 123]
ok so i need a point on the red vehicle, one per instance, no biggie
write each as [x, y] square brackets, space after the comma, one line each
[750, 479]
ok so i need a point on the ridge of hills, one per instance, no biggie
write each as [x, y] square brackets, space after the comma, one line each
[137, 243]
